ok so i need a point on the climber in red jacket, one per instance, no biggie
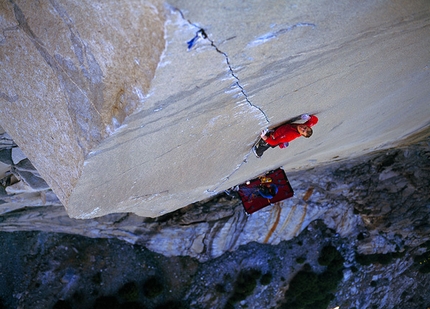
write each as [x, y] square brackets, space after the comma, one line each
[284, 134]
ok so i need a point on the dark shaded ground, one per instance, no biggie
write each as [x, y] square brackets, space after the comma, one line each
[47, 270]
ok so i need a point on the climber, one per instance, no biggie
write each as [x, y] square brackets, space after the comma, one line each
[282, 135]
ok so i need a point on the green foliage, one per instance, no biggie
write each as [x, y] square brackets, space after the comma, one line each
[364, 259]
[301, 260]
[171, 305]
[304, 301]
[336, 264]
[129, 292]
[255, 274]
[152, 287]
[426, 245]
[324, 303]
[131, 305]
[398, 255]
[424, 261]
[220, 288]
[423, 258]
[97, 278]
[309, 290]
[303, 281]
[368, 259]
[229, 305]
[245, 284]
[384, 259]
[128, 296]
[354, 269]
[328, 255]
[61, 304]
[329, 280]
[106, 302]
[425, 269]
[266, 279]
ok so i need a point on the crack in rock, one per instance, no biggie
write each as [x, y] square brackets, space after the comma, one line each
[245, 160]
[201, 34]
[242, 90]
[271, 35]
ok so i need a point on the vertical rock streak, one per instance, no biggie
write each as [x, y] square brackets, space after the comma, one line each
[277, 210]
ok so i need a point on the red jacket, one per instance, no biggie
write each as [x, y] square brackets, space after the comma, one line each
[288, 132]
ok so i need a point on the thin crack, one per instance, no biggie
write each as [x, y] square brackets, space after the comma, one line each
[242, 90]
[245, 160]
[201, 33]
[271, 35]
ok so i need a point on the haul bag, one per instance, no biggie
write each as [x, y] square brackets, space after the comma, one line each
[265, 190]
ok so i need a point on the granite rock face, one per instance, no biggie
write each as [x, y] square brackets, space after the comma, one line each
[118, 114]
[71, 72]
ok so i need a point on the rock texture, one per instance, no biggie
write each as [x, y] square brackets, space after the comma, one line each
[20, 183]
[385, 198]
[71, 73]
[376, 206]
[121, 116]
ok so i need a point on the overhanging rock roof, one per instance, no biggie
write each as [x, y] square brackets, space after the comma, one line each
[119, 116]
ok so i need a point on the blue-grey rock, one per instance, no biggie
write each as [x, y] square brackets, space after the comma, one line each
[6, 156]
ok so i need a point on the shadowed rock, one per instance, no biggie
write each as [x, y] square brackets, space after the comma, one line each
[71, 73]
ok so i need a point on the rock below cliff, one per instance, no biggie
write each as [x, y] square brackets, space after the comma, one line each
[375, 217]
